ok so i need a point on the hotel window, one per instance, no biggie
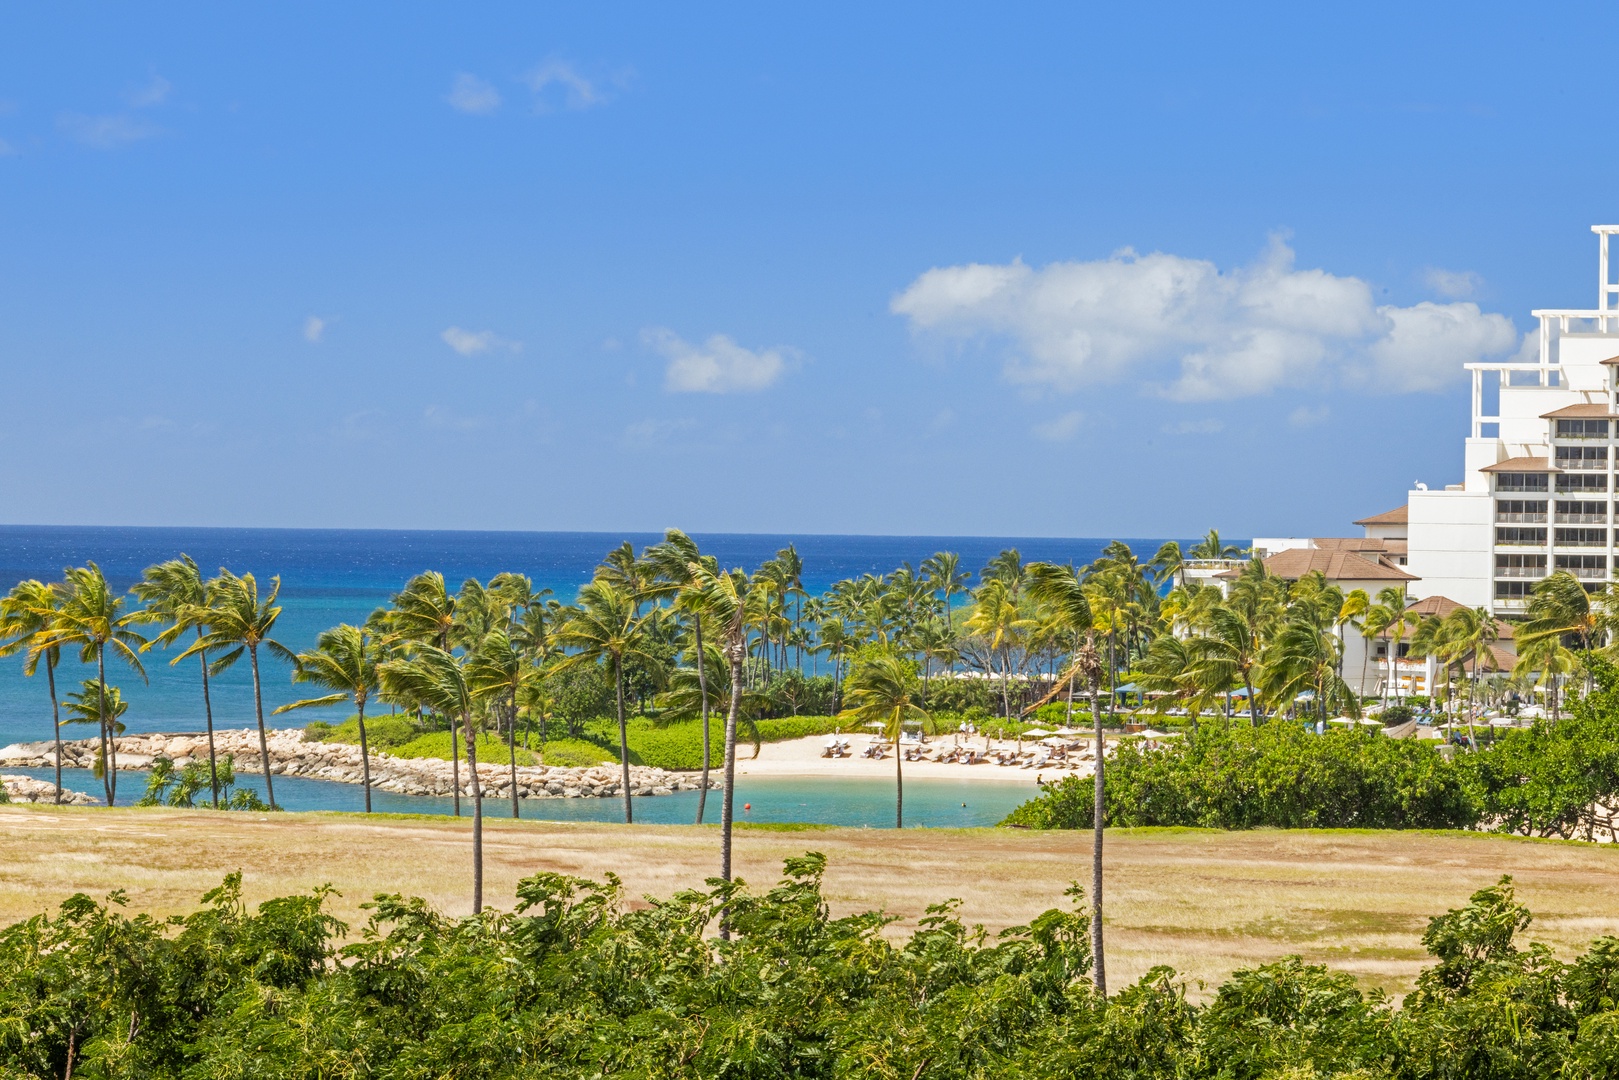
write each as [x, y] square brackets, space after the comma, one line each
[1581, 513]
[1587, 567]
[1519, 537]
[1520, 481]
[1522, 510]
[1578, 483]
[1513, 590]
[1520, 566]
[1582, 429]
[1587, 458]
[1581, 538]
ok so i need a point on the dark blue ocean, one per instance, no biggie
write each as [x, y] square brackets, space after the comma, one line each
[341, 575]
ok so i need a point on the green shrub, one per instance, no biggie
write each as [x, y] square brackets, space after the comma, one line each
[436, 744]
[573, 753]
[385, 731]
[1276, 775]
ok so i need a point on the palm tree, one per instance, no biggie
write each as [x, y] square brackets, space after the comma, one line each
[344, 660]
[607, 629]
[729, 599]
[174, 592]
[1229, 652]
[1169, 564]
[676, 562]
[26, 613]
[239, 621]
[92, 618]
[944, 574]
[436, 679]
[1304, 657]
[1560, 607]
[1393, 599]
[1546, 660]
[1212, 547]
[996, 618]
[424, 613]
[1061, 594]
[883, 689]
[101, 705]
[497, 672]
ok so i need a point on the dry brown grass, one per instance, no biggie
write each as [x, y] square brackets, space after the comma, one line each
[1204, 902]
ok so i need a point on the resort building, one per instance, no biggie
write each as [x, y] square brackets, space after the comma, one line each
[1537, 490]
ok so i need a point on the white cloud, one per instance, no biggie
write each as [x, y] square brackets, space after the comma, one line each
[472, 342]
[1187, 331]
[314, 327]
[1210, 426]
[154, 92]
[1308, 416]
[559, 82]
[1453, 284]
[470, 94]
[1062, 429]
[443, 419]
[104, 132]
[717, 366]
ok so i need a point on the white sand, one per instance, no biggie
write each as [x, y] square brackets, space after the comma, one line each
[802, 757]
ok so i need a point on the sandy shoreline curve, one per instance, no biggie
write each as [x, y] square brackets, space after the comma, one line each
[802, 758]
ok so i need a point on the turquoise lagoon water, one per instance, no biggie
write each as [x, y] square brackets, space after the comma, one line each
[829, 801]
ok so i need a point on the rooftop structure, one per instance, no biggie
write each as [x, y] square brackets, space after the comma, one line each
[1537, 493]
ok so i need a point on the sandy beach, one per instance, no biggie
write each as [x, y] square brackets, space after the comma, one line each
[802, 757]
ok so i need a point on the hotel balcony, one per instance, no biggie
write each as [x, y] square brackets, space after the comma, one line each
[1535, 572]
[1579, 519]
[1512, 604]
[1586, 573]
[1526, 519]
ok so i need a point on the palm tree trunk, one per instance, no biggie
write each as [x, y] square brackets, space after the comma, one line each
[455, 767]
[208, 718]
[1006, 682]
[264, 745]
[727, 800]
[1253, 708]
[623, 741]
[899, 777]
[1099, 969]
[477, 815]
[109, 746]
[365, 756]
[511, 744]
[702, 692]
[56, 720]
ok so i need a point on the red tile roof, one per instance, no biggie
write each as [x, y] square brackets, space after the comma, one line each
[1521, 464]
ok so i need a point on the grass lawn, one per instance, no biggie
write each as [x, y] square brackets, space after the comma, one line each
[1204, 902]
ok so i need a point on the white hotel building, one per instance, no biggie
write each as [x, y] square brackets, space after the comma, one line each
[1538, 491]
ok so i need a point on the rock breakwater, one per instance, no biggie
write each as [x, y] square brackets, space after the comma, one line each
[292, 755]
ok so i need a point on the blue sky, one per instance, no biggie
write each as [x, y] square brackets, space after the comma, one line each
[1009, 270]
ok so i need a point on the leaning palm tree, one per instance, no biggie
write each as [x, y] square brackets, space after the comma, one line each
[238, 622]
[1393, 600]
[606, 629]
[437, 680]
[1560, 607]
[344, 660]
[174, 593]
[26, 613]
[883, 689]
[93, 618]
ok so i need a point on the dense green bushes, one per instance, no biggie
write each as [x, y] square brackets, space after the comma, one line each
[383, 732]
[1274, 775]
[573, 984]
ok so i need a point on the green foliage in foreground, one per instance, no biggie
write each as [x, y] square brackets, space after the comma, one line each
[1274, 775]
[1547, 780]
[574, 985]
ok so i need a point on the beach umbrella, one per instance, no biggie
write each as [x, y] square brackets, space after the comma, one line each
[876, 724]
[1036, 733]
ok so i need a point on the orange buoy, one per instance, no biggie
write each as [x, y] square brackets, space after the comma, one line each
[747, 806]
